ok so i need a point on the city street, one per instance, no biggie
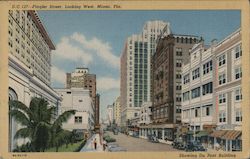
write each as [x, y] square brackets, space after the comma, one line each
[137, 144]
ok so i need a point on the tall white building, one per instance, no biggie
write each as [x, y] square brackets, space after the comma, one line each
[136, 68]
[77, 99]
[30, 43]
[212, 92]
[29, 64]
[197, 88]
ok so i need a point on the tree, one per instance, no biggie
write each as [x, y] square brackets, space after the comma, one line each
[37, 121]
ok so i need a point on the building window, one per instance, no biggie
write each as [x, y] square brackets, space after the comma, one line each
[222, 98]
[238, 52]
[178, 76]
[207, 67]
[80, 101]
[207, 88]
[178, 87]
[178, 51]
[207, 110]
[222, 60]
[136, 114]
[222, 116]
[178, 99]
[186, 79]
[196, 92]
[178, 63]
[78, 119]
[197, 112]
[238, 116]
[238, 73]
[222, 79]
[10, 31]
[196, 73]
[238, 95]
[186, 96]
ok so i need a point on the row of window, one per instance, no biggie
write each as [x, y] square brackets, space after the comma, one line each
[223, 118]
[238, 96]
[198, 112]
[206, 89]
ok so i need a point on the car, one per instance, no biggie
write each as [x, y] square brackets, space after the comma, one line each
[115, 131]
[112, 145]
[153, 139]
[178, 144]
[117, 149]
[194, 146]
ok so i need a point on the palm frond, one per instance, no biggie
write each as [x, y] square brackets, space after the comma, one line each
[15, 104]
[63, 118]
[20, 117]
[24, 133]
[49, 114]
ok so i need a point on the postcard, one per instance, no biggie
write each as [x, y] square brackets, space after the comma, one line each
[124, 79]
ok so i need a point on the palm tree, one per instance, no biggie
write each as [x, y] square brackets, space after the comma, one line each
[37, 121]
[58, 135]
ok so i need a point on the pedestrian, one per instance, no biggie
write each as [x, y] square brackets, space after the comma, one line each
[95, 144]
[104, 144]
[92, 144]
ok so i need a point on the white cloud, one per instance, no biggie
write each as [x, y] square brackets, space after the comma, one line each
[107, 83]
[103, 50]
[58, 75]
[66, 51]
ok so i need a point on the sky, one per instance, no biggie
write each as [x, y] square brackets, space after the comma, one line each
[95, 39]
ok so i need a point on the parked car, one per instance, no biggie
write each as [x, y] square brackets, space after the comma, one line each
[153, 139]
[194, 146]
[112, 145]
[115, 131]
[178, 144]
[135, 135]
[117, 149]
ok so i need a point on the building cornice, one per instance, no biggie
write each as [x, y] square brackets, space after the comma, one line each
[43, 31]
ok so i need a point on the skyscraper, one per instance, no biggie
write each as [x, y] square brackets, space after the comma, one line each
[135, 68]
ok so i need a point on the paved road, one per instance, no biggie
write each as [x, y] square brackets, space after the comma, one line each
[137, 144]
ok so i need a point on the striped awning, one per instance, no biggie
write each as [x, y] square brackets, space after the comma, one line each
[218, 133]
[231, 134]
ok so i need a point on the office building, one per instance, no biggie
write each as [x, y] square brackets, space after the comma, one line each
[136, 68]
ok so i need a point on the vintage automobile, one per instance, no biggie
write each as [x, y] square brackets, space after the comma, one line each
[194, 146]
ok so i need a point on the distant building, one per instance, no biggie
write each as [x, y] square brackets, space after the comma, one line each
[77, 99]
[110, 114]
[171, 53]
[97, 111]
[117, 111]
[145, 120]
[29, 64]
[81, 78]
[135, 68]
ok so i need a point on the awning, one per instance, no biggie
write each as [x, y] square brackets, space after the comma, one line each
[218, 133]
[202, 133]
[190, 133]
[231, 134]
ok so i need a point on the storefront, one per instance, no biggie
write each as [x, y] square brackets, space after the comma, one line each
[226, 140]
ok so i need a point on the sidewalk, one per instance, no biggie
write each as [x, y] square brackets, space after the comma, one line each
[89, 146]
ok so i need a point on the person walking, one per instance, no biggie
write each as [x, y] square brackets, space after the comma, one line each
[95, 144]
[104, 144]
[92, 144]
